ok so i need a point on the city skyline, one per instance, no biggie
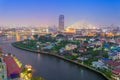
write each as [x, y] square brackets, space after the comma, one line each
[46, 12]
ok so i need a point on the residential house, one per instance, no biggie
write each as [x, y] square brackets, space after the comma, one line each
[91, 45]
[114, 56]
[105, 59]
[112, 64]
[82, 49]
[70, 46]
[117, 40]
[117, 48]
[117, 56]
[80, 38]
[98, 64]
[116, 74]
[112, 40]
[98, 43]
[82, 58]
[106, 45]
[48, 47]
[70, 37]
[62, 50]
[74, 54]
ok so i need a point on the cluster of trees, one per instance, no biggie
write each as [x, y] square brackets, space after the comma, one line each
[89, 61]
[30, 44]
[71, 57]
[108, 73]
[44, 38]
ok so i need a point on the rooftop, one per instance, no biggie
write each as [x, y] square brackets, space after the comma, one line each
[112, 63]
[12, 66]
[116, 71]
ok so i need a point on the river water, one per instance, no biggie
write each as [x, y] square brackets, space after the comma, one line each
[49, 67]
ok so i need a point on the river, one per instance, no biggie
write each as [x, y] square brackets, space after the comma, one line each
[49, 67]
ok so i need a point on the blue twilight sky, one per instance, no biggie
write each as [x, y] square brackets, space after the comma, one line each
[46, 12]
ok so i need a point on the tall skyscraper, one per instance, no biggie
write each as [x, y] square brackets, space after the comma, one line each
[61, 22]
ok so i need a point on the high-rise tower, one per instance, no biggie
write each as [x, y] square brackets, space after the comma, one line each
[61, 22]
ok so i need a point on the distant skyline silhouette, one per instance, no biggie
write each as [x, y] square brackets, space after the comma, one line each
[46, 12]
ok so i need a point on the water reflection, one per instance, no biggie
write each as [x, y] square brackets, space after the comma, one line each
[38, 58]
[17, 37]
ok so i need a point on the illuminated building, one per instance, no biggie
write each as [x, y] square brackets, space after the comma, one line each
[24, 37]
[17, 37]
[71, 30]
[28, 67]
[110, 34]
[13, 69]
[90, 34]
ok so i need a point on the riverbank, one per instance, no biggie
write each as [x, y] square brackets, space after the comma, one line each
[62, 57]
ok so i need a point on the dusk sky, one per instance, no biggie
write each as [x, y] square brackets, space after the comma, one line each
[46, 12]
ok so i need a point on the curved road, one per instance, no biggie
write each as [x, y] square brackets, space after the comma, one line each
[51, 68]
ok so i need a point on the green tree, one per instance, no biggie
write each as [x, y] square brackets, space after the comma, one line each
[105, 55]
[35, 36]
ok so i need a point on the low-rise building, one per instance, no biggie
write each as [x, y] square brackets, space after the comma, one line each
[91, 45]
[98, 43]
[117, 40]
[116, 57]
[74, 54]
[82, 49]
[116, 74]
[98, 64]
[62, 50]
[105, 59]
[70, 47]
[80, 38]
[13, 70]
[82, 58]
[112, 64]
